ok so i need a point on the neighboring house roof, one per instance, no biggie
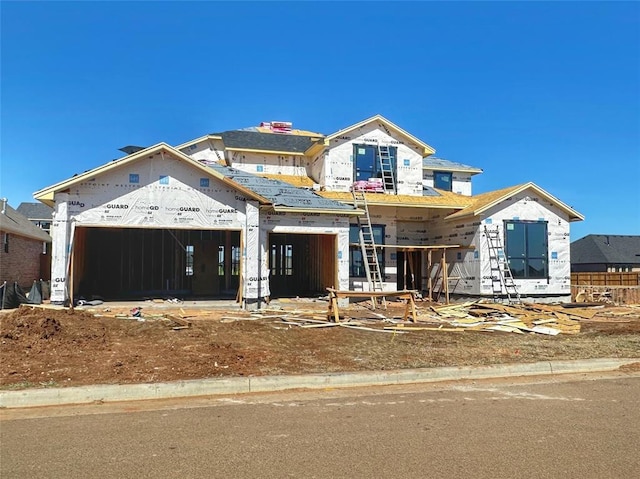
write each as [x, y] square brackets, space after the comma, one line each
[268, 192]
[482, 202]
[433, 163]
[427, 150]
[13, 222]
[35, 211]
[258, 140]
[284, 196]
[606, 249]
[444, 199]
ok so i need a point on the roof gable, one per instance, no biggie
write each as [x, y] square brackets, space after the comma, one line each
[47, 195]
[606, 249]
[484, 201]
[198, 140]
[426, 149]
[13, 222]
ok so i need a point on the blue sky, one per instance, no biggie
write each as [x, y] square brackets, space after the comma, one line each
[529, 91]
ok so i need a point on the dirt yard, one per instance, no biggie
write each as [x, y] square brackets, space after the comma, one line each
[45, 347]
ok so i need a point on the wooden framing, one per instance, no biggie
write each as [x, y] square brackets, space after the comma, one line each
[408, 295]
[442, 269]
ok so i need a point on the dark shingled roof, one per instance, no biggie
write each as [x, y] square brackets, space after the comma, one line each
[428, 191]
[35, 211]
[606, 249]
[280, 193]
[431, 162]
[256, 140]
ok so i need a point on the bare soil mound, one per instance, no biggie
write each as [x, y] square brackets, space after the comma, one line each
[42, 347]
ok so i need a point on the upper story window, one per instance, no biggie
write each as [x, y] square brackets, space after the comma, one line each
[443, 180]
[366, 162]
[5, 242]
[526, 248]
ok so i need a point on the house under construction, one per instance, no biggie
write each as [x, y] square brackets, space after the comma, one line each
[271, 211]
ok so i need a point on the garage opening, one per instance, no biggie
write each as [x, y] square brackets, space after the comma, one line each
[302, 264]
[135, 263]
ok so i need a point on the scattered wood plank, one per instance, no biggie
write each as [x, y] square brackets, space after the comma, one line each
[543, 321]
[179, 320]
[546, 330]
[503, 328]
[364, 328]
[421, 328]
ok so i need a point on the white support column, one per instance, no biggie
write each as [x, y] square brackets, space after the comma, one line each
[256, 275]
[61, 250]
[343, 265]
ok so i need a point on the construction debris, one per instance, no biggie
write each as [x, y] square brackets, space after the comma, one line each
[518, 318]
[542, 319]
[479, 316]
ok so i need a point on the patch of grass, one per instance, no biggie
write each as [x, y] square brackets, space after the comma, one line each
[27, 385]
[17, 386]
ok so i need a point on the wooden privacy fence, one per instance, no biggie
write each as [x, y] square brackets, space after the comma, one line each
[605, 279]
[619, 288]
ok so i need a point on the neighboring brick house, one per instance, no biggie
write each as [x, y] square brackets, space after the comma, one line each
[39, 214]
[23, 257]
[605, 253]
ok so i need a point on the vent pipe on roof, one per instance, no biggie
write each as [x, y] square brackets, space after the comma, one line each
[4, 205]
[606, 240]
[131, 149]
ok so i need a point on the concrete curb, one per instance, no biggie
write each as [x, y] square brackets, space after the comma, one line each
[209, 387]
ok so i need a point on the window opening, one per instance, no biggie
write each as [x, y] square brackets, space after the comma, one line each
[220, 260]
[443, 180]
[281, 259]
[367, 162]
[189, 260]
[235, 260]
[356, 263]
[526, 248]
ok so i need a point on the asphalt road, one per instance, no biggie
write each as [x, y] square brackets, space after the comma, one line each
[575, 427]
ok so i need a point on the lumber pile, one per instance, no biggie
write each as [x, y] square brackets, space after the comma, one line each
[522, 318]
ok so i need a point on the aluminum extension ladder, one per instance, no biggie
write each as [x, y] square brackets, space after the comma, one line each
[386, 168]
[501, 276]
[368, 247]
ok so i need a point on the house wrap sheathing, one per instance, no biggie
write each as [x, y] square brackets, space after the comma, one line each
[267, 211]
[471, 272]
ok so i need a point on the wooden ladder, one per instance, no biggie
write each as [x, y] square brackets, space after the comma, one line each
[501, 276]
[368, 247]
[386, 168]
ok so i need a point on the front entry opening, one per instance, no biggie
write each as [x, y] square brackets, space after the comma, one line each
[302, 264]
[409, 270]
[134, 263]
